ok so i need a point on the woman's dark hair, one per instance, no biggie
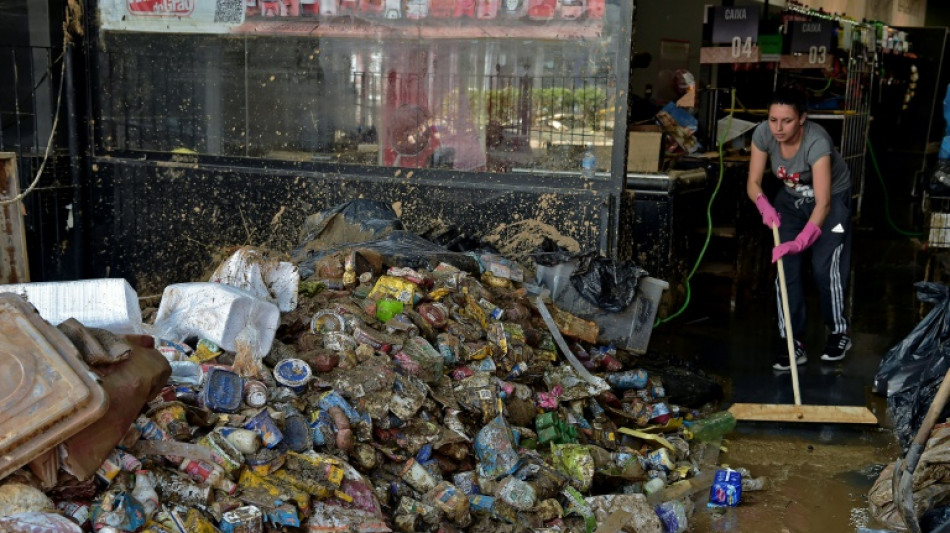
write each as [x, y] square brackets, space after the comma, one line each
[792, 97]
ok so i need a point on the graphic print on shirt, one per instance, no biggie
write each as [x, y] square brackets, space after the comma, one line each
[794, 180]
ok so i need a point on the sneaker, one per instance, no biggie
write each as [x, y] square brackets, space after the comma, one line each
[836, 347]
[781, 360]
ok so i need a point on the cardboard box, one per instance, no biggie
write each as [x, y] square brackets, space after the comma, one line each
[644, 149]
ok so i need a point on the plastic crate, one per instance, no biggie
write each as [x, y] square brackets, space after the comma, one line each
[939, 230]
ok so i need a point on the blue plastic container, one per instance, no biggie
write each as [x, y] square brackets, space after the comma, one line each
[293, 373]
[726, 490]
[223, 391]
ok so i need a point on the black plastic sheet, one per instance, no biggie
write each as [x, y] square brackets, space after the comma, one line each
[912, 370]
[609, 285]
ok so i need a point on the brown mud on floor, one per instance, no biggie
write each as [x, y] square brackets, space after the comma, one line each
[817, 483]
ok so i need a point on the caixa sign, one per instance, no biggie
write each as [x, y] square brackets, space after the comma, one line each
[166, 8]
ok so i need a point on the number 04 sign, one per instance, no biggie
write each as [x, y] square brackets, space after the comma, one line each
[736, 26]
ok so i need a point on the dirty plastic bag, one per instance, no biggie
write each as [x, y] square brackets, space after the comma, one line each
[904, 362]
[39, 523]
[909, 405]
[609, 285]
[265, 277]
[19, 498]
[370, 219]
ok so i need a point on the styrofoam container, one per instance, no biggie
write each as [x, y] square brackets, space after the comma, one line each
[268, 279]
[109, 303]
[216, 312]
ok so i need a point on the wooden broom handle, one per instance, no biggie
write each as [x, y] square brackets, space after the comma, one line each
[789, 338]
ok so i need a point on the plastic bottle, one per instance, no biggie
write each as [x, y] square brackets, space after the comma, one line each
[144, 492]
[589, 162]
[713, 426]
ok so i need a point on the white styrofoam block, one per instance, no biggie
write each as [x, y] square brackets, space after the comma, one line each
[109, 303]
[216, 312]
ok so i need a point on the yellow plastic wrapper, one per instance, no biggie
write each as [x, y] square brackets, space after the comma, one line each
[438, 294]
[195, 523]
[474, 311]
[257, 489]
[576, 462]
[396, 288]
[325, 468]
[205, 351]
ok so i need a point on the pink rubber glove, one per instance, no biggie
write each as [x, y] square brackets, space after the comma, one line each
[769, 215]
[806, 238]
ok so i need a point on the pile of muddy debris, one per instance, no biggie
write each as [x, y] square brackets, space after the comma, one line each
[375, 395]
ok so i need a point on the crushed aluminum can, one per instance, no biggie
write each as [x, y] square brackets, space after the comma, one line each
[255, 394]
[435, 314]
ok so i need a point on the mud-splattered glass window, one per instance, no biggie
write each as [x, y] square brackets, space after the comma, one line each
[470, 85]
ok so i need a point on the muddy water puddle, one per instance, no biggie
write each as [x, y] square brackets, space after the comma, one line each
[818, 481]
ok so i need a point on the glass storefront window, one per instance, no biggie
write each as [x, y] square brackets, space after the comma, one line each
[465, 85]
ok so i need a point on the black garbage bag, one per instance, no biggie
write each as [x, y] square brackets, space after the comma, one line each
[912, 371]
[549, 253]
[350, 222]
[609, 285]
[907, 359]
[400, 249]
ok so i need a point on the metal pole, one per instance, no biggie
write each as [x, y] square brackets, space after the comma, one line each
[72, 127]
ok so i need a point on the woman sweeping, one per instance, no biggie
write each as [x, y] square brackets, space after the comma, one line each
[812, 212]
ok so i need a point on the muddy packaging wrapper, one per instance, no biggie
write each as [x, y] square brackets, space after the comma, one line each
[334, 399]
[284, 515]
[223, 391]
[517, 493]
[247, 519]
[629, 379]
[264, 425]
[467, 482]
[418, 477]
[577, 505]
[672, 515]
[494, 446]
[658, 460]
[451, 501]
[428, 358]
[575, 461]
[409, 393]
[450, 347]
[726, 490]
[400, 289]
[481, 504]
[321, 428]
[118, 510]
[172, 350]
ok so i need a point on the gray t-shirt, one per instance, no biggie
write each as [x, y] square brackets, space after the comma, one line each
[796, 171]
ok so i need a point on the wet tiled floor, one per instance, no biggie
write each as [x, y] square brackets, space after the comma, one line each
[820, 473]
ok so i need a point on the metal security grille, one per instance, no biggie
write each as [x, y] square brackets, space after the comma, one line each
[29, 84]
